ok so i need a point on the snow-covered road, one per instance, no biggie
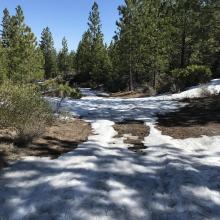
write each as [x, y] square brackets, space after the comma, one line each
[102, 179]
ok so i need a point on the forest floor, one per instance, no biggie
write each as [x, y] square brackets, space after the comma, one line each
[128, 94]
[164, 177]
[199, 117]
[63, 136]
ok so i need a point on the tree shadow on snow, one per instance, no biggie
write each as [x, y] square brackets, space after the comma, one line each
[119, 184]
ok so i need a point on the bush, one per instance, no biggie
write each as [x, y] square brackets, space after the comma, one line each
[55, 87]
[23, 110]
[64, 90]
[164, 83]
[199, 73]
[190, 76]
[180, 77]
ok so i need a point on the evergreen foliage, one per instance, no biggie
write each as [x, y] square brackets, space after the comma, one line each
[24, 111]
[59, 88]
[190, 76]
[155, 37]
[5, 34]
[64, 62]
[93, 63]
[83, 58]
[23, 58]
[156, 42]
[49, 53]
[72, 61]
[3, 64]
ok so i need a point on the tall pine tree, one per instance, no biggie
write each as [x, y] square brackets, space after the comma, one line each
[83, 58]
[49, 53]
[92, 56]
[139, 41]
[24, 60]
[5, 33]
[3, 64]
[100, 62]
[72, 61]
[64, 59]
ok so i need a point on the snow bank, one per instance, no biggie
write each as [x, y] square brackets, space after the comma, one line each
[88, 92]
[102, 179]
[211, 88]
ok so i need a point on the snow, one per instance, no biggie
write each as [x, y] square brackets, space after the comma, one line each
[211, 88]
[102, 179]
[88, 92]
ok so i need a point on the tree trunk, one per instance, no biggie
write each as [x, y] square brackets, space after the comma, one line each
[131, 86]
[183, 45]
[155, 80]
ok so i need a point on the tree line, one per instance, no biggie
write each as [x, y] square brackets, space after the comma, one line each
[160, 44]
[24, 59]
[167, 43]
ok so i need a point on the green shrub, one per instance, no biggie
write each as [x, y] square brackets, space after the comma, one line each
[164, 83]
[65, 90]
[47, 85]
[199, 73]
[23, 110]
[180, 77]
[190, 76]
[54, 87]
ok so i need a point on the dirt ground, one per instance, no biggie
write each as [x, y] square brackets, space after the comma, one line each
[62, 137]
[127, 95]
[134, 133]
[199, 117]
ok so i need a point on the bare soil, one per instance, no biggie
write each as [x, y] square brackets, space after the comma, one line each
[199, 117]
[134, 133]
[62, 137]
[127, 95]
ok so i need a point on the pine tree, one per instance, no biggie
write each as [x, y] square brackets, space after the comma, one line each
[49, 53]
[143, 40]
[5, 33]
[92, 56]
[83, 58]
[214, 58]
[117, 82]
[72, 61]
[100, 62]
[63, 58]
[4, 44]
[127, 40]
[94, 24]
[194, 33]
[155, 39]
[24, 62]
[3, 64]
[206, 43]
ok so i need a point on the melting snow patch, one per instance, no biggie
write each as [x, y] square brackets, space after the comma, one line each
[102, 179]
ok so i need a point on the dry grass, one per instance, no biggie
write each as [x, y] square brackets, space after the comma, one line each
[62, 137]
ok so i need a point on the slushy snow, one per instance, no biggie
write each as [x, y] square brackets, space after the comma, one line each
[102, 179]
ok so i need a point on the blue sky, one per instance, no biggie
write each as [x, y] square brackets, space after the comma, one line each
[65, 17]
